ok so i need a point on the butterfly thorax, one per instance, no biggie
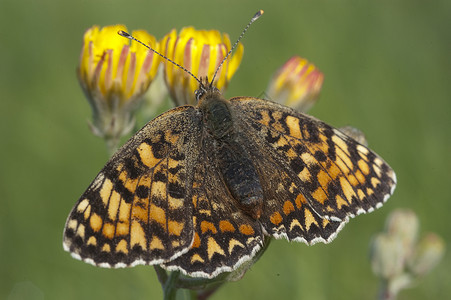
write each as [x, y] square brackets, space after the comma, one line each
[231, 157]
[217, 115]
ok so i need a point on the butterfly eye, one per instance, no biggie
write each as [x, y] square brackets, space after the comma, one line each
[199, 93]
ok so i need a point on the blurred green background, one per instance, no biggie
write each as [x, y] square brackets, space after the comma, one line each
[387, 71]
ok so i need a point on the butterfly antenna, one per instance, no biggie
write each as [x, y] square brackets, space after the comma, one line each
[130, 37]
[254, 18]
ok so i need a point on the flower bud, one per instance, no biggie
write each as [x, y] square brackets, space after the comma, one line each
[387, 256]
[427, 255]
[296, 84]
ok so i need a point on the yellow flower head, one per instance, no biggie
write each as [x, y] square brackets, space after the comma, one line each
[200, 52]
[297, 84]
[114, 75]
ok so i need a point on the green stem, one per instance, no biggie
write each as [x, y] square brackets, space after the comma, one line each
[384, 292]
[206, 293]
[201, 288]
[161, 274]
[199, 283]
[112, 145]
[170, 288]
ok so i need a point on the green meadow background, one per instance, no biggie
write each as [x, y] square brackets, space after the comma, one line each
[387, 69]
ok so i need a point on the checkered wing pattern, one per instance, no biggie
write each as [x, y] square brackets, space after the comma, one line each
[138, 210]
[315, 178]
[161, 200]
[164, 199]
[224, 236]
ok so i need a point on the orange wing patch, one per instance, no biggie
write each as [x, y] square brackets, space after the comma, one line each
[328, 177]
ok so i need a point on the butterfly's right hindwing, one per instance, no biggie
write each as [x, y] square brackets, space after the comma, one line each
[315, 178]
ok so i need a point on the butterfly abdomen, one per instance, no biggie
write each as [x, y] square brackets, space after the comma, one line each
[232, 159]
[240, 176]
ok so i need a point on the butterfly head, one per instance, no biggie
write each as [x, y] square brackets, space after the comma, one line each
[205, 88]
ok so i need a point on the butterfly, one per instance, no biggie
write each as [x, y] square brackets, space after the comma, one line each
[199, 188]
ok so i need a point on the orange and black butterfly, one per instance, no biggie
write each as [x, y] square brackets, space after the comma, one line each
[199, 188]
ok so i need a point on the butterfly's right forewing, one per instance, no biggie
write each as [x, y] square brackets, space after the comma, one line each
[315, 178]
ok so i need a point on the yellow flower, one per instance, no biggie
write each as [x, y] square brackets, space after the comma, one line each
[200, 52]
[114, 76]
[296, 84]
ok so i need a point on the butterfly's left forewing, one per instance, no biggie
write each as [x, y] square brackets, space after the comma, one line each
[138, 209]
[323, 177]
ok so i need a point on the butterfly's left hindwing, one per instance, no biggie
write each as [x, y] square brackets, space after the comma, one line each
[138, 210]
[314, 177]
[224, 237]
